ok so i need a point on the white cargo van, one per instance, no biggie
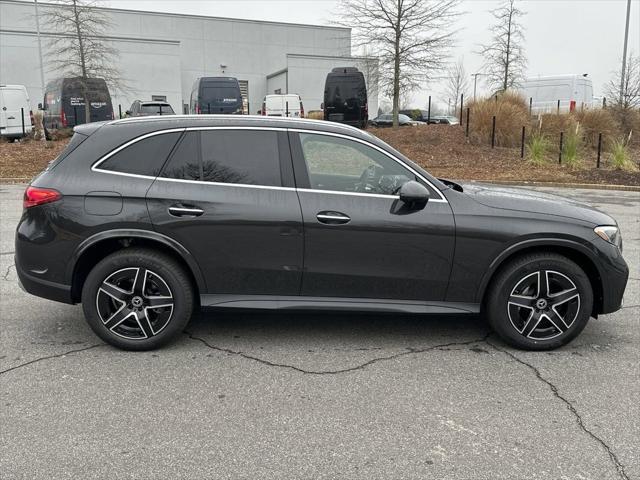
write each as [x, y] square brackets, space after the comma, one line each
[289, 105]
[574, 92]
[14, 101]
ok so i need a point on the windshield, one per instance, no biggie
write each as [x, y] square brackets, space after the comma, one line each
[156, 109]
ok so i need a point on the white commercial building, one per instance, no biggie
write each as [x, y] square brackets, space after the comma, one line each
[161, 54]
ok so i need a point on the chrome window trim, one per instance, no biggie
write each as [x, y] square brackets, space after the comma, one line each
[442, 198]
[104, 158]
[96, 165]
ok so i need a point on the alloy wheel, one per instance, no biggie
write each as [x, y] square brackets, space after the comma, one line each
[134, 303]
[543, 305]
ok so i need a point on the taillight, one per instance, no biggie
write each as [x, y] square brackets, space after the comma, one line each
[301, 110]
[34, 196]
[572, 106]
[63, 118]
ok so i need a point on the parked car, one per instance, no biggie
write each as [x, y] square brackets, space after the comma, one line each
[141, 220]
[64, 102]
[289, 105]
[144, 109]
[345, 97]
[386, 120]
[15, 112]
[416, 114]
[444, 120]
[219, 95]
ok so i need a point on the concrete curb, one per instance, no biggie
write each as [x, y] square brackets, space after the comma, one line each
[590, 186]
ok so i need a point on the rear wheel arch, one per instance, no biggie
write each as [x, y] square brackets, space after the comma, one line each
[571, 250]
[100, 246]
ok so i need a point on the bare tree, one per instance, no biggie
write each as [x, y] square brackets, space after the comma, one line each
[629, 97]
[78, 47]
[412, 39]
[505, 60]
[457, 82]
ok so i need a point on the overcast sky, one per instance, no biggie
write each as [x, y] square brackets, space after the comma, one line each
[562, 36]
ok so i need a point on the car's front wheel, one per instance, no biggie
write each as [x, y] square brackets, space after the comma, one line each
[137, 299]
[539, 301]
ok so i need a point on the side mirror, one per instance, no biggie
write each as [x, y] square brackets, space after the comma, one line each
[414, 195]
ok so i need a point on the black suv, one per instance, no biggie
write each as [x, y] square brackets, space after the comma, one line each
[145, 109]
[144, 219]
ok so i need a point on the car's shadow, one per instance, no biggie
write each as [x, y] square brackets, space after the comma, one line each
[329, 328]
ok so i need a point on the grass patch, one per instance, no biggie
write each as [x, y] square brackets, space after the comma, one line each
[571, 148]
[537, 149]
[620, 156]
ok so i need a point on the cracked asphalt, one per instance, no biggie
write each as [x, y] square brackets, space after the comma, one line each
[300, 395]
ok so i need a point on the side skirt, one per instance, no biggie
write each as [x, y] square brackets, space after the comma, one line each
[270, 302]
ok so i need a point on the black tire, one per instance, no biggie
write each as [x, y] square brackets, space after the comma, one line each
[530, 313]
[114, 291]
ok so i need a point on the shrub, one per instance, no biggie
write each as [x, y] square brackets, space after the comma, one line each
[511, 112]
[627, 121]
[571, 147]
[620, 155]
[537, 148]
[595, 121]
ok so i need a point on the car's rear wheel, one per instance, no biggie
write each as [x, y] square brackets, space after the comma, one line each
[137, 299]
[539, 301]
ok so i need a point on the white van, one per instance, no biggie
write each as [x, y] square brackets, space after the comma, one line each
[574, 92]
[13, 98]
[289, 105]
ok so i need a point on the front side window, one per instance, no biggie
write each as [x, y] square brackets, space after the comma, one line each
[343, 165]
[249, 157]
[144, 157]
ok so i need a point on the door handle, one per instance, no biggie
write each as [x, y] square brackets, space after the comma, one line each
[332, 218]
[185, 211]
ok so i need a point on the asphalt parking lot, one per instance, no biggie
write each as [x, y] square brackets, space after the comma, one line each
[294, 395]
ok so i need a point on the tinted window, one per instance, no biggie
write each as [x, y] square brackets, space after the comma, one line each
[76, 140]
[344, 165]
[156, 109]
[184, 163]
[220, 94]
[240, 156]
[144, 157]
[346, 87]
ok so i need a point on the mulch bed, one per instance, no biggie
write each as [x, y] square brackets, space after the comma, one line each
[442, 149]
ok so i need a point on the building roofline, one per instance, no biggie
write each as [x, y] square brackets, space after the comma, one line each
[190, 15]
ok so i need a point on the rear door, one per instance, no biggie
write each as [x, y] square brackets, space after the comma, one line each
[360, 240]
[226, 197]
[13, 100]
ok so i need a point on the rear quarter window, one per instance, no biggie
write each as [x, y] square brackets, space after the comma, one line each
[74, 143]
[144, 157]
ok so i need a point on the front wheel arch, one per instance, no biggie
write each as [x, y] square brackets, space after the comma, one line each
[568, 250]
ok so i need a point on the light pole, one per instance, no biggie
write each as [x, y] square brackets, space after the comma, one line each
[39, 48]
[475, 82]
[624, 53]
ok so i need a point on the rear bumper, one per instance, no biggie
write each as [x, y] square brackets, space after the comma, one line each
[43, 288]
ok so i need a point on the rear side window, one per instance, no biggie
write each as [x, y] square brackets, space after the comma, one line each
[185, 163]
[144, 157]
[240, 156]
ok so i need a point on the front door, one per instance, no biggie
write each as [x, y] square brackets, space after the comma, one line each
[361, 241]
[223, 197]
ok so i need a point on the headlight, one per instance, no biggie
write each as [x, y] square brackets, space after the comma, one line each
[610, 234]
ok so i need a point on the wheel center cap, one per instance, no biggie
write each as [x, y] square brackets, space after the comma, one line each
[541, 304]
[136, 301]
